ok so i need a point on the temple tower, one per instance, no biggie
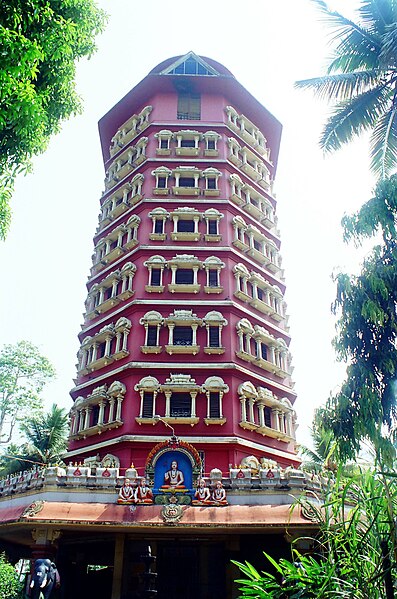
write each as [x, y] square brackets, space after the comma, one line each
[185, 329]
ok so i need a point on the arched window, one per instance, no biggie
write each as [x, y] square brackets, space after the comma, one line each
[159, 217]
[162, 174]
[148, 388]
[164, 139]
[214, 322]
[155, 266]
[213, 266]
[152, 322]
[211, 139]
[215, 388]
[212, 218]
[99, 411]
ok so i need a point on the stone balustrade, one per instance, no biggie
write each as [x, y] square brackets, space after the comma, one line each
[238, 479]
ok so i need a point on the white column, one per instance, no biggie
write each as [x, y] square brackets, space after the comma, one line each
[167, 403]
[111, 409]
[101, 411]
[193, 395]
[118, 410]
[243, 409]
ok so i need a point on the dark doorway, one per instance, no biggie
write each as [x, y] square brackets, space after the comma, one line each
[190, 570]
[86, 568]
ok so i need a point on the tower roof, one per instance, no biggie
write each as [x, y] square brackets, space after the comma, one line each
[206, 76]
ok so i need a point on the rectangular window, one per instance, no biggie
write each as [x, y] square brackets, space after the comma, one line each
[189, 107]
[152, 335]
[94, 415]
[155, 278]
[181, 405]
[184, 276]
[215, 411]
[213, 278]
[162, 182]
[212, 227]
[268, 417]
[185, 226]
[187, 182]
[147, 404]
[214, 336]
[107, 294]
[159, 226]
[188, 143]
[100, 352]
[183, 336]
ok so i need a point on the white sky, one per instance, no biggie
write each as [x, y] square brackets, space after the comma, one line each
[267, 45]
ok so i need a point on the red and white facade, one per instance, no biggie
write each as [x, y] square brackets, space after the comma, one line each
[185, 321]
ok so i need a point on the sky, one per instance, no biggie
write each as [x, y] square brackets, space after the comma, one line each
[267, 45]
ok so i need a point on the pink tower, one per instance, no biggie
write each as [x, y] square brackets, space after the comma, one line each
[185, 330]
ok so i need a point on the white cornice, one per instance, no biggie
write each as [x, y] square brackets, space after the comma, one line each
[193, 440]
[185, 366]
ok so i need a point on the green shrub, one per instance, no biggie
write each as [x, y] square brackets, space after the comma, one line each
[10, 587]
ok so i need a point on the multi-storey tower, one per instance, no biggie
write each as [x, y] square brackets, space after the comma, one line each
[185, 331]
[185, 321]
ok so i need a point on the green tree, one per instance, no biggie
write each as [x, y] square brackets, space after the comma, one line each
[322, 456]
[352, 555]
[362, 81]
[10, 587]
[366, 405]
[23, 374]
[40, 41]
[46, 435]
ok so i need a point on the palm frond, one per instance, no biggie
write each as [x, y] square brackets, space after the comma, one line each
[388, 54]
[342, 86]
[352, 117]
[352, 60]
[365, 52]
[378, 15]
[344, 27]
[384, 144]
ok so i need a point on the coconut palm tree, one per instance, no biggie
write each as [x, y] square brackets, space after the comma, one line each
[46, 435]
[321, 457]
[362, 81]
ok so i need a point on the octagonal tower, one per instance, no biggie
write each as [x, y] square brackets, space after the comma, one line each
[185, 327]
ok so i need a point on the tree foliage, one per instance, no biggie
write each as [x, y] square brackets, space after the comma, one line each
[10, 587]
[40, 41]
[23, 374]
[366, 405]
[361, 80]
[323, 456]
[46, 435]
[352, 556]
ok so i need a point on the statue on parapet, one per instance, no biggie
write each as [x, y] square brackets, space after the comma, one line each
[174, 478]
[126, 493]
